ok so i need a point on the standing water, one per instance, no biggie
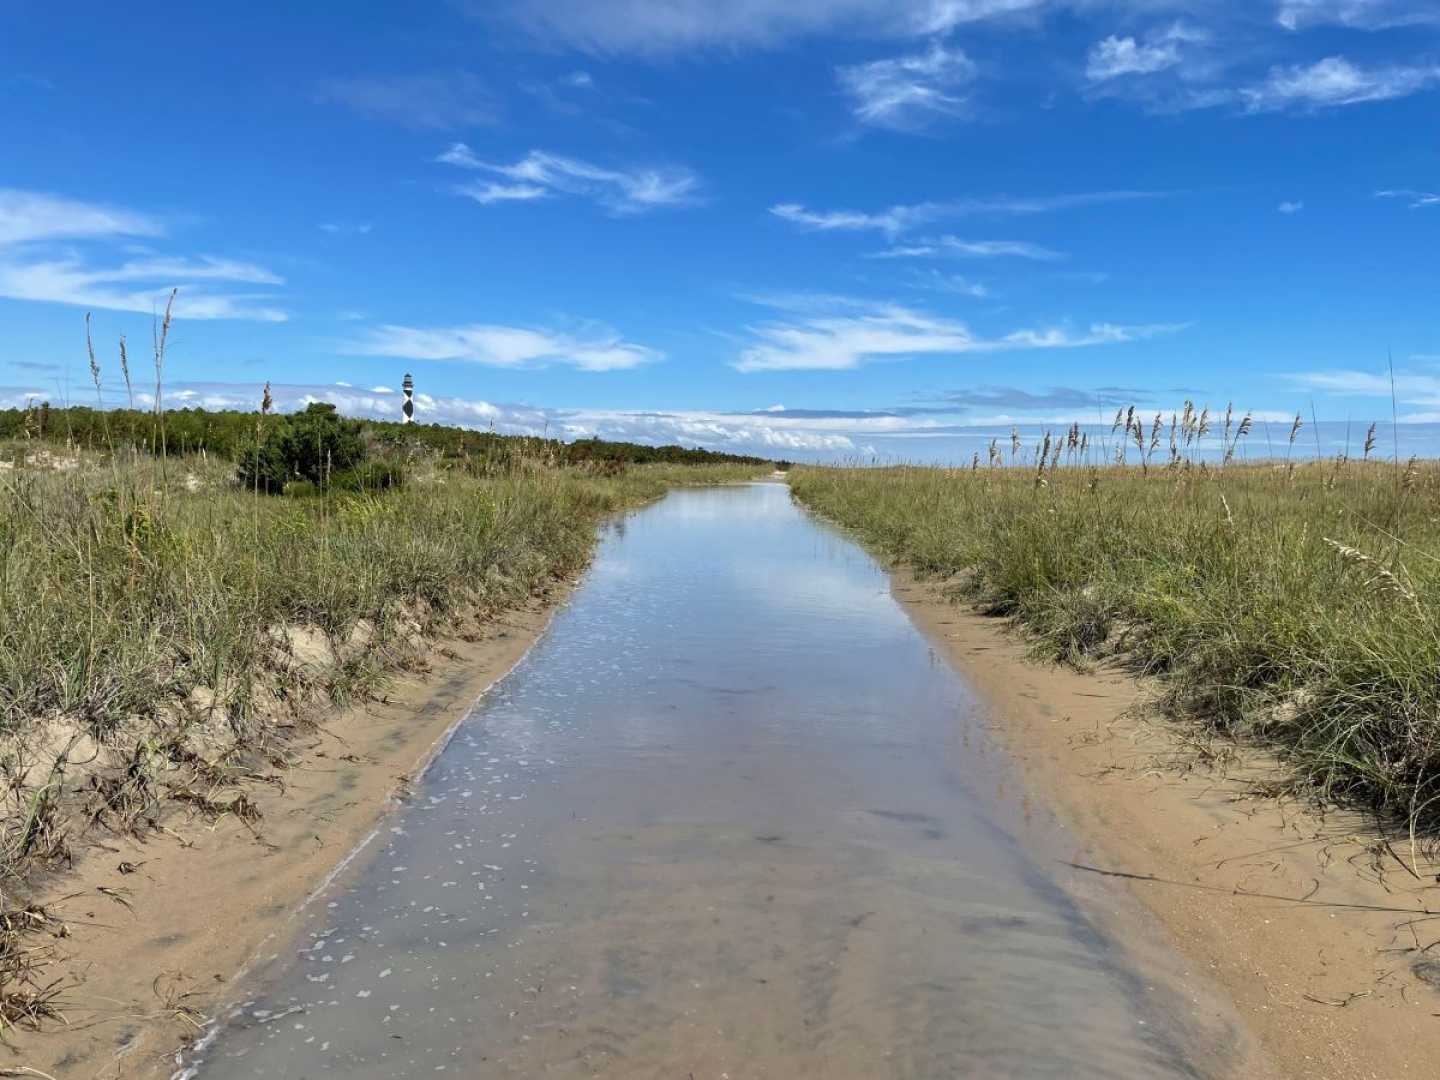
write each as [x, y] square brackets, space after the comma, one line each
[727, 819]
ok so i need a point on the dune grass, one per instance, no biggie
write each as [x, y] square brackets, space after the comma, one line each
[157, 614]
[1294, 605]
[166, 633]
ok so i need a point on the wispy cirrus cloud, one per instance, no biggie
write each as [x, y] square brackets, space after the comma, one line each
[1335, 81]
[1359, 14]
[903, 218]
[487, 192]
[896, 219]
[1416, 199]
[27, 216]
[1012, 399]
[144, 286]
[1188, 65]
[827, 333]
[1291, 207]
[646, 28]
[541, 175]
[38, 232]
[907, 92]
[593, 348]
[936, 281]
[955, 247]
[425, 102]
[1410, 387]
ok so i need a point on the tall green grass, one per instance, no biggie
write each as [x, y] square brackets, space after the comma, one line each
[1295, 605]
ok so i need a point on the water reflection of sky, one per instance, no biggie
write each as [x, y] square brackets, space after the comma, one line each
[726, 818]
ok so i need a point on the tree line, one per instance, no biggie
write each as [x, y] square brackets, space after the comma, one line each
[232, 435]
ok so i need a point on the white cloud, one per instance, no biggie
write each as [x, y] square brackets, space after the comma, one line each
[205, 268]
[1290, 207]
[1416, 199]
[1360, 14]
[27, 216]
[506, 346]
[488, 191]
[1116, 56]
[894, 220]
[358, 228]
[433, 102]
[70, 281]
[951, 283]
[903, 218]
[36, 266]
[1160, 50]
[852, 333]
[1335, 81]
[539, 174]
[955, 247]
[905, 92]
[645, 27]
[1097, 334]
[1411, 388]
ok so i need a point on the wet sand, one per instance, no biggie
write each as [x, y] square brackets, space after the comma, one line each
[732, 817]
[1331, 989]
[145, 966]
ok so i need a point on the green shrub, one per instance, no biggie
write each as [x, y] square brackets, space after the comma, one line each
[315, 445]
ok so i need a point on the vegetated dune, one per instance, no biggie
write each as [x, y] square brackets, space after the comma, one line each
[1294, 605]
[167, 631]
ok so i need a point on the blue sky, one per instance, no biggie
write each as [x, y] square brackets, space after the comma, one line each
[828, 227]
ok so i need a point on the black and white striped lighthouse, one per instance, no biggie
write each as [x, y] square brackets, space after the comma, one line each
[409, 407]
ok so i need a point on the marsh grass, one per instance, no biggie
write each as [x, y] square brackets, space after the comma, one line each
[1290, 604]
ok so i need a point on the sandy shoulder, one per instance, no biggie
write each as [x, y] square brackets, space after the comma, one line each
[148, 960]
[1330, 991]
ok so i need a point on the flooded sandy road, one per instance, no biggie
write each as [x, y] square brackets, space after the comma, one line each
[729, 818]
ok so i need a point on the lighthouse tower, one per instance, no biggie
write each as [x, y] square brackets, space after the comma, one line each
[409, 407]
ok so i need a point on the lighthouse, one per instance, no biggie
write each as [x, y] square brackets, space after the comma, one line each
[409, 407]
